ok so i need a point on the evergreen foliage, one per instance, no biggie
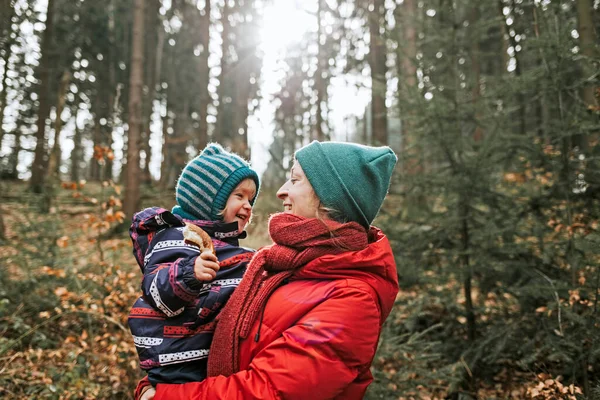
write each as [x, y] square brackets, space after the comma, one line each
[497, 231]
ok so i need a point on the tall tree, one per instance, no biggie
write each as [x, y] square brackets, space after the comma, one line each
[204, 21]
[475, 50]
[223, 125]
[77, 151]
[38, 168]
[541, 105]
[6, 32]
[406, 29]
[109, 57]
[505, 58]
[239, 73]
[377, 62]
[152, 46]
[588, 43]
[7, 8]
[132, 181]
[179, 76]
[320, 88]
[55, 155]
[246, 73]
[19, 91]
[518, 65]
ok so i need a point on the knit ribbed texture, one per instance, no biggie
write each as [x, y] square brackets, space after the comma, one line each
[297, 241]
[207, 181]
[350, 178]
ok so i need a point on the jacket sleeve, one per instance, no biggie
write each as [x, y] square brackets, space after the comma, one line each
[169, 283]
[170, 286]
[316, 358]
[232, 269]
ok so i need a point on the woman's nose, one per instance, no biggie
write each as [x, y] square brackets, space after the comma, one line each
[282, 192]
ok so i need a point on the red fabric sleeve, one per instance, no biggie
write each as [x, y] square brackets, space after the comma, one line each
[322, 354]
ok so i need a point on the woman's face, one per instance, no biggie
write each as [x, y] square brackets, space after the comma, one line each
[298, 195]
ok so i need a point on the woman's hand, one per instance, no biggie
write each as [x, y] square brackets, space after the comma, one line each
[206, 266]
[148, 394]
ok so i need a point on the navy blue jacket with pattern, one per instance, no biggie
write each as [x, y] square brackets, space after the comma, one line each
[172, 323]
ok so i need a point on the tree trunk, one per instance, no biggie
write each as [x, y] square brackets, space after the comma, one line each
[175, 144]
[377, 61]
[165, 162]
[132, 179]
[541, 106]
[39, 162]
[13, 158]
[101, 167]
[505, 35]
[168, 123]
[150, 79]
[223, 127]
[522, 107]
[406, 59]
[5, 32]
[95, 163]
[466, 267]
[476, 70]
[7, 54]
[2, 226]
[409, 41]
[588, 42]
[76, 153]
[319, 81]
[112, 92]
[6, 10]
[204, 74]
[55, 154]
[246, 68]
[240, 126]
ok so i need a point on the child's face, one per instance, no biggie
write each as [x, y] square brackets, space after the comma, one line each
[298, 195]
[238, 208]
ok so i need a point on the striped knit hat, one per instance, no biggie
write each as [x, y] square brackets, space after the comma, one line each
[207, 181]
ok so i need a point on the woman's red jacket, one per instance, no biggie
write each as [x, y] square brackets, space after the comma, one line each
[318, 334]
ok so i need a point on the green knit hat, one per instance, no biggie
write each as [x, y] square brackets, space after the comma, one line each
[347, 177]
[207, 181]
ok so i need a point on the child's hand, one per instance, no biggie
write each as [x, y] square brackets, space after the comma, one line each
[206, 266]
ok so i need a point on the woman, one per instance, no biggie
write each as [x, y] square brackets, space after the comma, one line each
[306, 318]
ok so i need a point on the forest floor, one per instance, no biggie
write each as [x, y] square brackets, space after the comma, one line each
[67, 286]
[68, 278]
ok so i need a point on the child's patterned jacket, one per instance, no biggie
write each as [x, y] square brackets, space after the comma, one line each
[172, 323]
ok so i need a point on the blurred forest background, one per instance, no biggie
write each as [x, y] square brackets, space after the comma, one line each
[492, 107]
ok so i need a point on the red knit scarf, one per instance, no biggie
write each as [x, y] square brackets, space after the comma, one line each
[297, 241]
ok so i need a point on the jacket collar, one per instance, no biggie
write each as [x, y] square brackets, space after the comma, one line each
[374, 265]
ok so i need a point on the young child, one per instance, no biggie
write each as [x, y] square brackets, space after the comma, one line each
[172, 323]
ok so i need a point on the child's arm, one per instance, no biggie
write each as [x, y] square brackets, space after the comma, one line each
[168, 264]
[232, 265]
[171, 285]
